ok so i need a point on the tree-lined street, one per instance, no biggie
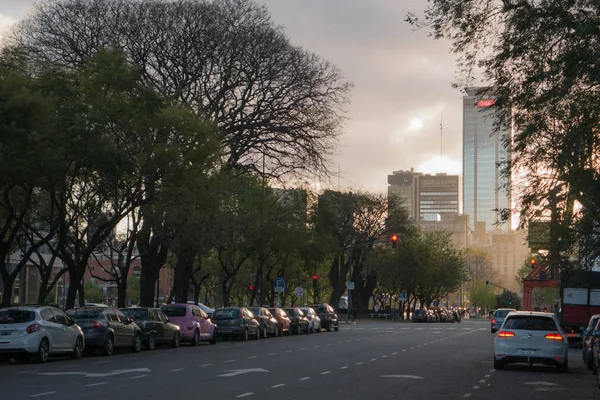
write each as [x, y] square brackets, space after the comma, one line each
[372, 359]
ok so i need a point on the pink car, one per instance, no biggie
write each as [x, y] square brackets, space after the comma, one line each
[194, 324]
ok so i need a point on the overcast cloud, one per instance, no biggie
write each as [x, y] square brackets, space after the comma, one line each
[401, 77]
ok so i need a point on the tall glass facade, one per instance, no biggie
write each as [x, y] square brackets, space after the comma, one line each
[482, 151]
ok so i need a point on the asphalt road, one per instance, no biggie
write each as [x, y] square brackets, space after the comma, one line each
[369, 360]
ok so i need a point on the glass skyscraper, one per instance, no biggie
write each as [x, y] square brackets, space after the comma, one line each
[483, 190]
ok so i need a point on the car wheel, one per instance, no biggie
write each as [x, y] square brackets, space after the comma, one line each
[257, 337]
[598, 380]
[245, 337]
[78, 349]
[176, 342]
[109, 346]
[564, 366]
[498, 364]
[215, 337]
[42, 353]
[196, 338]
[265, 332]
[589, 361]
[151, 343]
[137, 343]
[337, 328]
[276, 334]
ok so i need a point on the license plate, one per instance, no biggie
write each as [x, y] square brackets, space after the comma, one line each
[5, 333]
[528, 352]
[225, 330]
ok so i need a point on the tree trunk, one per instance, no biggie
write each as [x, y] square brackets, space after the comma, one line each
[337, 277]
[148, 286]
[121, 292]
[74, 283]
[225, 290]
[7, 287]
[43, 289]
[183, 275]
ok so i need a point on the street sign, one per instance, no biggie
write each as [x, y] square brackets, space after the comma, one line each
[279, 285]
[402, 296]
[436, 303]
[299, 292]
[350, 285]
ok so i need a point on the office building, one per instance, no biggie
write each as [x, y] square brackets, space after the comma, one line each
[484, 189]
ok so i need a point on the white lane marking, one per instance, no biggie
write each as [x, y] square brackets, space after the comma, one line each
[245, 394]
[230, 361]
[325, 373]
[42, 394]
[402, 376]
[305, 378]
[204, 365]
[29, 372]
[137, 377]
[328, 344]
[412, 348]
[548, 389]
[344, 367]
[251, 357]
[278, 385]
[96, 384]
[394, 353]
[418, 346]
[103, 362]
[467, 395]
[475, 387]
[175, 370]
[316, 347]
[385, 356]
[492, 370]
[487, 376]
[359, 363]
[373, 359]
[271, 354]
[288, 351]
[404, 350]
[482, 381]
[304, 348]
[541, 383]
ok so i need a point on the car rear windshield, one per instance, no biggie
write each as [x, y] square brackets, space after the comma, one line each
[16, 316]
[136, 314]
[420, 312]
[85, 314]
[174, 311]
[501, 313]
[530, 323]
[290, 312]
[227, 313]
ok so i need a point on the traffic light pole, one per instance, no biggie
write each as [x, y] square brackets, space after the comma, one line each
[351, 248]
[488, 283]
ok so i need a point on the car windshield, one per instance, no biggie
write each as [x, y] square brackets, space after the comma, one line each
[16, 316]
[227, 313]
[136, 314]
[530, 323]
[255, 311]
[290, 312]
[501, 313]
[174, 311]
[83, 313]
[420, 312]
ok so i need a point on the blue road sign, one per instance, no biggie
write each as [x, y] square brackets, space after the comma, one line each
[279, 284]
[403, 296]
[436, 303]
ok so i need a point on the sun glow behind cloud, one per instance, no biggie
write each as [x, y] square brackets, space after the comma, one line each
[438, 165]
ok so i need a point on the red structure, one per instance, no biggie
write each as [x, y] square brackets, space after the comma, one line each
[537, 278]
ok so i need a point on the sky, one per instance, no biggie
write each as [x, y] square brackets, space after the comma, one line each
[402, 84]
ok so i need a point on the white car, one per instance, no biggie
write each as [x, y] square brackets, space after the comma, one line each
[314, 321]
[38, 332]
[531, 338]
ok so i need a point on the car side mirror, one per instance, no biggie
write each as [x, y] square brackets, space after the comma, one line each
[70, 322]
[167, 322]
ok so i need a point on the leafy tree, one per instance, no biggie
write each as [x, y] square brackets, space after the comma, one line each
[478, 265]
[508, 299]
[226, 58]
[93, 292]
[481, 296]
[133, 289]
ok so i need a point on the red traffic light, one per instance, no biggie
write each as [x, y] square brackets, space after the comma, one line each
[532, 261]
[315, 277]
[251, 287]
[394, 238]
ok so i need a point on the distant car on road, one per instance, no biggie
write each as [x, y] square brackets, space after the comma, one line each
[532, 338]
[236, 322]
[38, 332]
[194, 324]
[498, 317]
[420, 316]
[329, 318]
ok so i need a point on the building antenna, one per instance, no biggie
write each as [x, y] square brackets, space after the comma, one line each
[441, 142]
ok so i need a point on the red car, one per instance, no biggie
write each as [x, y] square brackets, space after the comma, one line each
[194, 324]
[283, 321]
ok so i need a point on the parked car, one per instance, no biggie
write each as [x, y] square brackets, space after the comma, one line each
[105, 328]
[420, 316]
[267, 323]
[209, 311]
[156, 327]
[38, 332]
[283, 321]
[532, 338]
[588, 341]
[299, 323]
[194, 324]
[236, 322]
[328, 316]
[314, 322]
[498, 317]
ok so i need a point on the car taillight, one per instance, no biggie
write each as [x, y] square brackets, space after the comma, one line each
[33, 328]
[506, 334]
[95, 325]
[494, 321]
[554, 336]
